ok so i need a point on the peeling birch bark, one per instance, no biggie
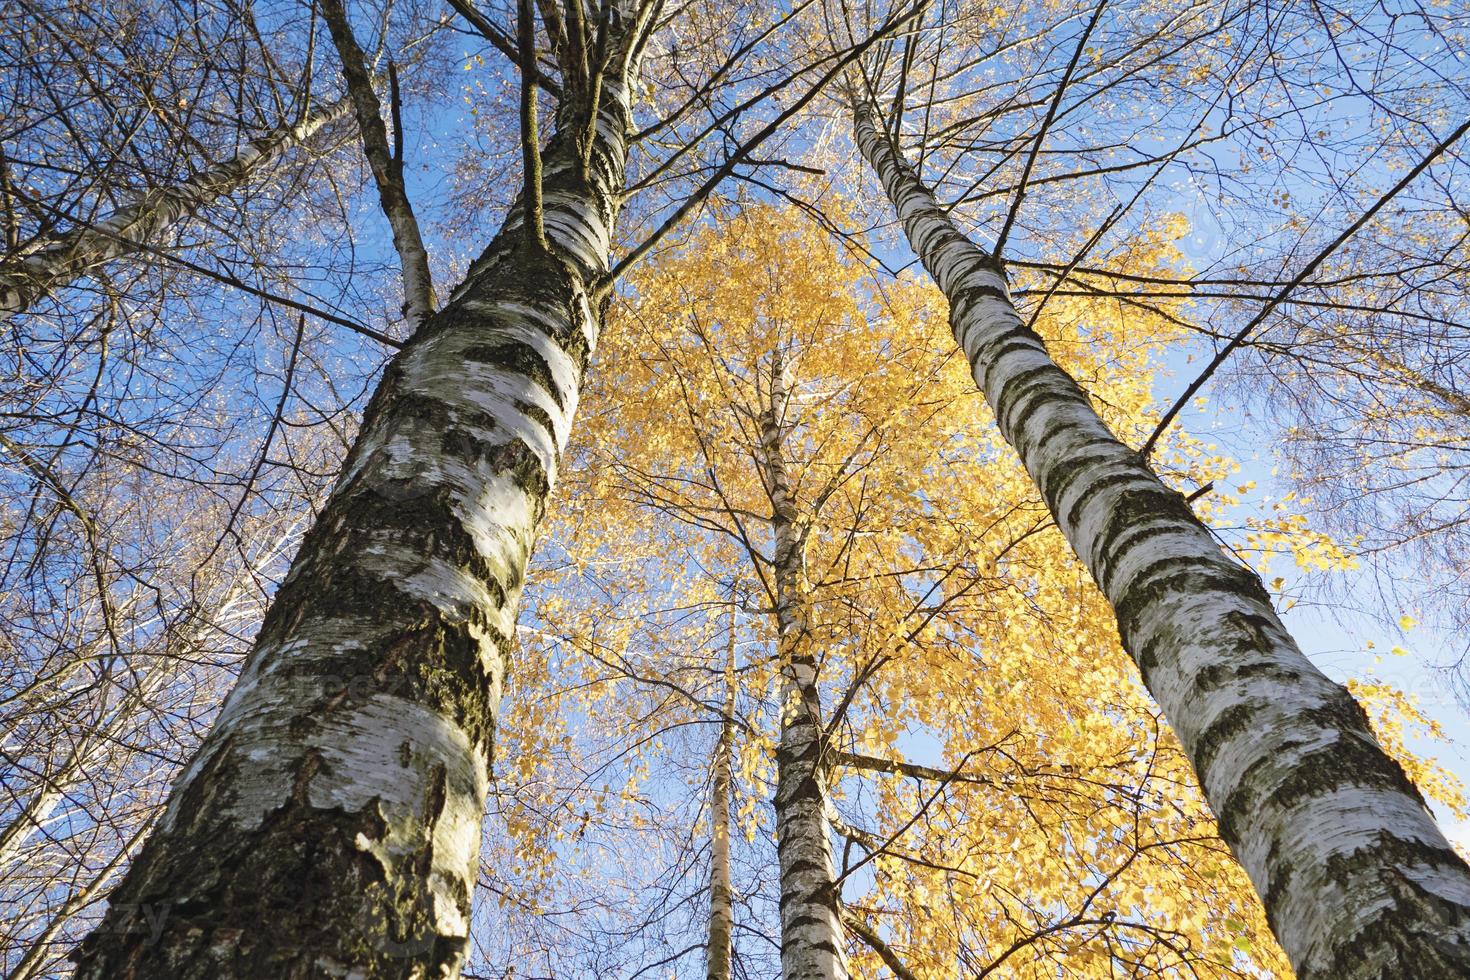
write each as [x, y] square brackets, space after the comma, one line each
[812, 940]
[330, 824]
[1356, 878]
[132, 228]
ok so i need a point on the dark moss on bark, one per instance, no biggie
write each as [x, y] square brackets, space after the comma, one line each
[1013, 402]
[1231, 722]
[521, 358]
[1408, 939]
[1352, 759]
[996, 341]
[1103, 486]
[241, 914]
[1219, 674]
[524, 467]
[1419, 950]
[538, 415]
[1183, 576]
[1142, 511]
[330, 579]
[964, 298]
[799, 866]
[1061, 475]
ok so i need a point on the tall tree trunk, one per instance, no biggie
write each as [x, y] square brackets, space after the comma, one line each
[132, 228]
[812, 941]
[721, 894]
[1356, 878]
[330, 823]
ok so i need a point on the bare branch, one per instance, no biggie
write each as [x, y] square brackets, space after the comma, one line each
[385, 164]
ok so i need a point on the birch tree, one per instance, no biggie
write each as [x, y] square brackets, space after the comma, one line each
[448, 477]
[1357, 878]
[139, 226]
[331, 821]
[720, 944]
[127, 127]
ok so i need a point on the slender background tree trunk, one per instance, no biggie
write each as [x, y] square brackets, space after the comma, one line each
[110, 726]
[812, 940]
[1357, 880]
[41, 953]
[721, 894]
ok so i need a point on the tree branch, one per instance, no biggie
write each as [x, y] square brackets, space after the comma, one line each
[502, 43]
[872, 763]
[736, 158]
[533, 219]
[386, 166]
[1051, 114]
[886, 953]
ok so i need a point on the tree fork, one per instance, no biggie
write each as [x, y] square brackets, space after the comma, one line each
[1357, 879]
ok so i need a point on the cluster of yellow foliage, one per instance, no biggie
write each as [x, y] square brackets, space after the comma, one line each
[950, 621]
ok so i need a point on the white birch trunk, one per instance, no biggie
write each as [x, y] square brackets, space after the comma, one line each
[330, 824]
[812, 940]
[132, 228]
[721, 894]
[1357, 880]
